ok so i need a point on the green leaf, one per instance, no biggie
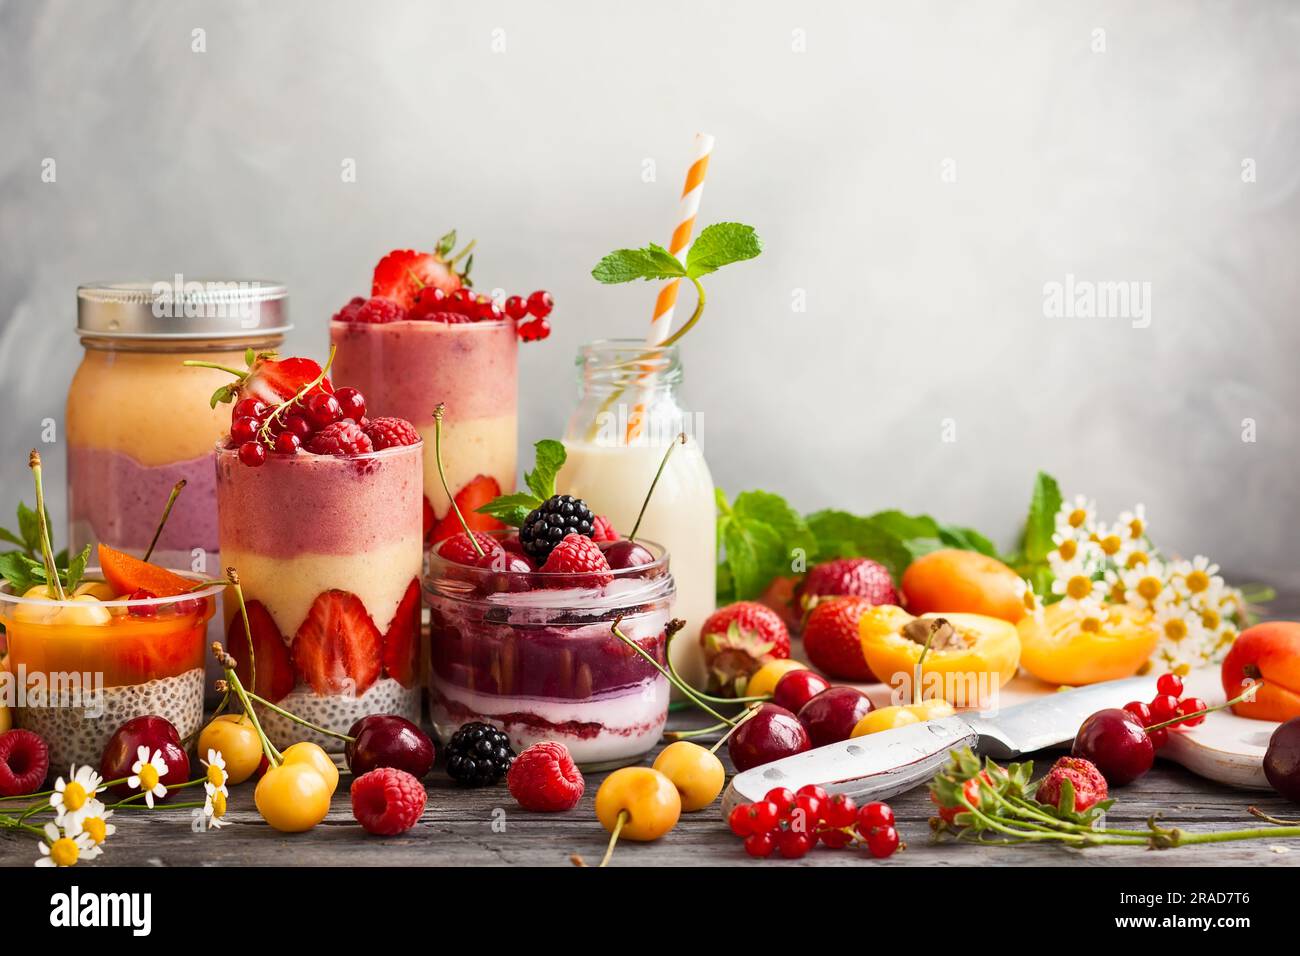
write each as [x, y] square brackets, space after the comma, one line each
[16, 567]
[627, 265]
[845, 535]
[76, 569]
[550, 458]
[968, 539]
[223, 395]
[759, 535]
[511, 509]
[7, 535]
[1040, 524]
[446, 244]
[29, 526]
[250, 356]
[721, 244]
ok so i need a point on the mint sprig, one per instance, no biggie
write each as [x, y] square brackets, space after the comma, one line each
[24, 569]
[513, 509]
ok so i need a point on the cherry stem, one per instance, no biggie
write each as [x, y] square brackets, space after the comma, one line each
[167, 510]
[672, 630]
[696, 732]
[677, 682]
[916, 682]
[437, 458]
[1257, 812]
[264, 433]
[1173, 721]
[750, 712]
[240, 374]
[233, 578]
[623, 817]
[662, 463]
[43, 524]
[298, 720]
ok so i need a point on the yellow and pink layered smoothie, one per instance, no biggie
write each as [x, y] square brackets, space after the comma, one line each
[328, 550]
[406, 368]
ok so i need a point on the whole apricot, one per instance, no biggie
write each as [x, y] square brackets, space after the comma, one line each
[1271, 652]
[953, 580]
[1069, 647]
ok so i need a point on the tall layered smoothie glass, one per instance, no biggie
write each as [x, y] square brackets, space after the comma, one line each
[406, 368]
[328, 551]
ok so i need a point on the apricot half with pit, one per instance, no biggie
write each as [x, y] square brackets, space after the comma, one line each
[1071, 646]
[952, 580]
[1268, 652]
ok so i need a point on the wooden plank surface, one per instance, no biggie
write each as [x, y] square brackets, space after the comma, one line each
[485, 827]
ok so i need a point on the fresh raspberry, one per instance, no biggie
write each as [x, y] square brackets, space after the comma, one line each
[858, 577]
[739, 639]
[389, 432]
[349, 312]
[602, 529]
[545, 779]
[578, 554]
[387, 801]
[341, 438]
[378, 311]
[460, 550]
[831, 641]
[1089, 785]
[24, 762]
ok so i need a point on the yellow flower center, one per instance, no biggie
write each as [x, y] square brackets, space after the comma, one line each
[1118, 593]
[1078, 587]
[64, 852]
[96, 828]
[148, 777]
[1090, 624]
[1211, 619]
[218, 804]
[1077, 517]
[1068, 549]
[1111, 544]
[1175, 629]
[1198, 581]
[1182, 669]
[74, 796]
[1136, 527]
[216, 776]
[1149, 588]
[1135, 559]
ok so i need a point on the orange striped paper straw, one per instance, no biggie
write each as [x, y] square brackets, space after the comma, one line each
[688, 207]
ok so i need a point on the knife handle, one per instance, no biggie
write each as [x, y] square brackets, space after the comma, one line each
[866, 768]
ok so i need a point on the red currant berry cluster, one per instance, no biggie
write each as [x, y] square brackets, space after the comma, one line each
[1168, 704]
[289, 426]
[539, 306]
[792, 822]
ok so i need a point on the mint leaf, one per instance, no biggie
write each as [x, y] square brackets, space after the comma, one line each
[550, 459]
[16, 568]
[7, 535]
[968, 539]
[510, 509]
[627, 265]
[1040, 525]
[76, 569]
[721, 244]
[29, 526]
[840, 534]
[758, 535]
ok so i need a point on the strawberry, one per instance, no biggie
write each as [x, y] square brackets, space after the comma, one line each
[341, 438]
[602, 529]
[830, 638]
[1089, 785]
[858, 577]
[337, 641]
[739, 639]
[269, 653]
[461, 550]
[578, 554]
[389, 432]
[402, 273]
[277, 380]
[401, 649]
[474, 495]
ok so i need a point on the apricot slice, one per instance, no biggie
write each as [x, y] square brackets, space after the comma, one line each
[1270, 651]
[952, 580]
[1068, 647]
[127, 575]
[969, 658]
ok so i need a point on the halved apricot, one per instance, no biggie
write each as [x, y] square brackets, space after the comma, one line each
[126, 575]
[952, 580]
[1068, 647]
[1269, 651]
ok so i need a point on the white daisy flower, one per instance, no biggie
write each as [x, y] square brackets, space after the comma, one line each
[1134, 523]
[216, 770]
[1029, 598]
[1147, 585]
[1077, 517]
[64, 848]
[1111, 542]
[147, 773]
[1179, 625]
[94, 823]
[71, 797]
[1196, 577]
[214, 807]
[1076, 585]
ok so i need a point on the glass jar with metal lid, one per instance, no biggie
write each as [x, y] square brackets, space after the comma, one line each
[138, 421]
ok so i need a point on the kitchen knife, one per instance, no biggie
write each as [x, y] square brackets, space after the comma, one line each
[883, 764]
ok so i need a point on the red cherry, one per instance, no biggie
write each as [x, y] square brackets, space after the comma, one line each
[299, 426]
[323, 410]
[352, 404]
[760, 845]
[882, 842]
[739, 820]
[793, 844]
[249, 408]
[252, 453]
[874, 815]
[516, 307]
[1170, 684]
[287, 443]
[1163, 707]
[1117, 743]
[1191, 705]
[244, 429]
[797, 687]
[1139, 710]
[540, 303]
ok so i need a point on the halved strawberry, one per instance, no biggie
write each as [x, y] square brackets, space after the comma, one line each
[402, 273]
[274, 668]
[474, 495]
[337, 641]
[275, 380]
[401, 644]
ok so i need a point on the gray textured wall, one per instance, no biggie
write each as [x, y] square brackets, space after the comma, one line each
[924, 297]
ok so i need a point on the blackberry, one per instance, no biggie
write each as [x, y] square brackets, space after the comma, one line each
[546, 526]
[478, 755]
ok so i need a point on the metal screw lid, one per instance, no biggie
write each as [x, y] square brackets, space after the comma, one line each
[177, 308]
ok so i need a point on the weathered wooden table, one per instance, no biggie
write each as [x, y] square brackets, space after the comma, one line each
[485, 827]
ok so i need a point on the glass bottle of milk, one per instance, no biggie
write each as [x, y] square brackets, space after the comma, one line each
[626, 418]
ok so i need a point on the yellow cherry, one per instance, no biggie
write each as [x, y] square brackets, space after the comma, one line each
[649, 800]
[764, 680]
[886, 718]
[292, 798]
[235, 737]
[697, 773]
[83, 611]
[310, 754]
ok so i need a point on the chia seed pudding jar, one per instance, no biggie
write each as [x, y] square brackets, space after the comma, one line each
[81, 670]
[533, 653]
[328, 549]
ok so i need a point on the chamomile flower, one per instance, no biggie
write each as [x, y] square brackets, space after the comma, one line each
[214, 807]
[63, 848]
[1077, 517]
[1029, 598]
[216, 770]
[147, 773]
[1196, 577]
[94, 823]
[1147, 585]
[1110, 541]
[1179, 624]
[1076, 585]
[1133, 524]
[70, 798]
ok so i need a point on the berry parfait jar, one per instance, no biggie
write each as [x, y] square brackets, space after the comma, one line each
[534, 653]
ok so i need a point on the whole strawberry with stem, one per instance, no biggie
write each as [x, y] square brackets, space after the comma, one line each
[852, 577]
[1086, 781]
[404, 273]
[739, 639]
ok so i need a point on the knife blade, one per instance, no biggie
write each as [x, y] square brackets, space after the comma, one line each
[893, 761]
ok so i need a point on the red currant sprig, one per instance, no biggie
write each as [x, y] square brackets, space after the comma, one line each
[1167, 707]
[792, 822]
[539, 306]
